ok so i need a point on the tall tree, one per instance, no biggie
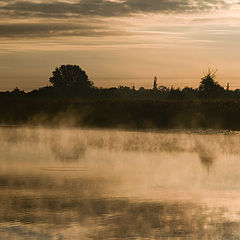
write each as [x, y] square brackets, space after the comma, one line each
[70, 76]
[209, 87]
[155, 83]
[208, 82]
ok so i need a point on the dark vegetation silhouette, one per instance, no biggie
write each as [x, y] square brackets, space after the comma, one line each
[70, 76]
[155, 84]
[73, 100]
[209, 87]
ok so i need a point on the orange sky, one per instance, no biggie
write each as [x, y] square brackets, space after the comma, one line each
[120, 42]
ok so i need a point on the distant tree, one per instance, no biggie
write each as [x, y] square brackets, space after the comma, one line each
[141, 89]
[208, 82]
[163, 88]
[228, 86]
[189, 92]
[70, 76]
[155, 84]
[17, 91]
[175, 93]
[120, 87]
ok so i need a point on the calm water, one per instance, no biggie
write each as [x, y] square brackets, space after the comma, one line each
[103, 184]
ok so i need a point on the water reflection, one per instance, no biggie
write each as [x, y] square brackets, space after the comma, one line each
[50, 216]
[70, 153]
[93, 184]
[207, 155]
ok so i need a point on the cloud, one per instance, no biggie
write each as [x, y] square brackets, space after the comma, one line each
[44, 18]
[106, 8]
[26, 30]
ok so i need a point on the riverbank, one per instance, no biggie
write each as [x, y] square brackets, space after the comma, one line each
[126, 114]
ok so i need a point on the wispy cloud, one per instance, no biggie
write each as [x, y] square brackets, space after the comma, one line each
[33, 30]
[92, 18]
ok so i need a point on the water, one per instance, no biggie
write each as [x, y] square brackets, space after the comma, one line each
[109, 184]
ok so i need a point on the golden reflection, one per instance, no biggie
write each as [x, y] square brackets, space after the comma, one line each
[109, 184]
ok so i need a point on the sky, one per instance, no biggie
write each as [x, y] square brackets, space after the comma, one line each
[120, 42]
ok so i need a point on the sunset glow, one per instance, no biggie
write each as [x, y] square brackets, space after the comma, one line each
[120, 42]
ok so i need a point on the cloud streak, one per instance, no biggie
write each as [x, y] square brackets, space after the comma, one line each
[106, 8]
[26, 30]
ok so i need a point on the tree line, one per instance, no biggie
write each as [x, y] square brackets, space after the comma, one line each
[73, 100]
[71, 81]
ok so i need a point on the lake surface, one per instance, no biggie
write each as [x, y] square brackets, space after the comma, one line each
[108, 184]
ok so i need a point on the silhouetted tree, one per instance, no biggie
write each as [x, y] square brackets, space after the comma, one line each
[70, 76]
[175, 93]
[208, 83]
[17, 91]
[189, 93]
[163, 88]
[228, 86]
[141, 89]
[155, 84]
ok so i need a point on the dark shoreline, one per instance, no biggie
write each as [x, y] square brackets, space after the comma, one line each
[140, 115]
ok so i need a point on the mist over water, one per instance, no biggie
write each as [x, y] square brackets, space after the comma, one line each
[110, 184]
